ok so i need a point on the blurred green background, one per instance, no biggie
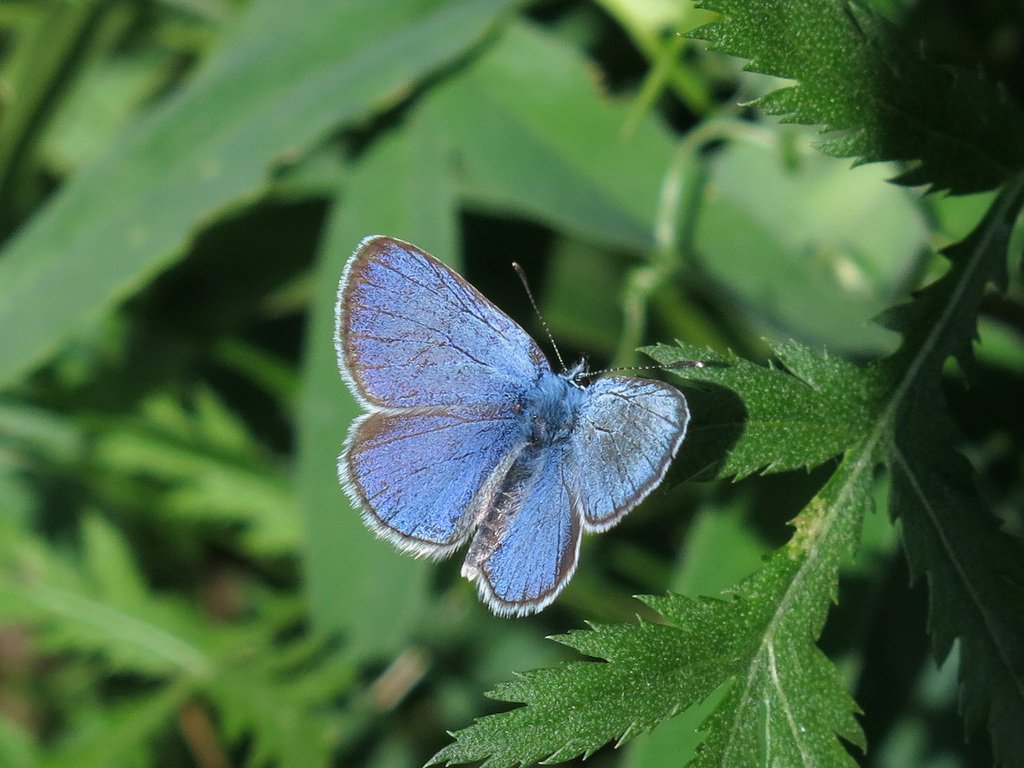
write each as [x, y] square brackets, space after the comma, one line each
[182, 583]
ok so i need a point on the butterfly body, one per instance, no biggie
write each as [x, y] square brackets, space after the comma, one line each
[550, 407]
[470, 435]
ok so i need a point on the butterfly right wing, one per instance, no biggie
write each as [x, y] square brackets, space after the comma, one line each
[424, 479]
[411, 333]
[626, 434]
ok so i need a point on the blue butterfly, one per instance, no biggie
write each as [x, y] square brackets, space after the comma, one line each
[469, 434]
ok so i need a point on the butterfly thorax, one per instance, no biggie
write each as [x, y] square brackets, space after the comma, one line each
[549, 409]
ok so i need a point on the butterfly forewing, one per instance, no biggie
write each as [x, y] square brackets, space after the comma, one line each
[413, 334]
[627, 432]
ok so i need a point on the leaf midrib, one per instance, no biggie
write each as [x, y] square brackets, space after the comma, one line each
[766, 649]
[886, 419]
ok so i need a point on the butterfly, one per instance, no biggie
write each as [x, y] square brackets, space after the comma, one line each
[469, 435]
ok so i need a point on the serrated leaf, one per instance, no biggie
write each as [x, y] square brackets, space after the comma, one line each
[784, 706]
[975, 571]
[857, 75]
[769, 419]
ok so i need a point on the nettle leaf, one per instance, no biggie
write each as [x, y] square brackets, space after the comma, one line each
[859, 76]
[975, 571]
[784, 705]
[782, 701]
[767, 419]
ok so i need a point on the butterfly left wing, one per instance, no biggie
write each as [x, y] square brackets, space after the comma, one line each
[412, 333]
[440, 368]
[627, 433]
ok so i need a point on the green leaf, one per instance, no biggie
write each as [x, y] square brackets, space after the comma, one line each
[76, 613]
[209, 469]
[975, 571]
[784, 705]
[103, 101]
[290, 74]
[513, 157]
[783, 702]
[859, 76]
[769, 419]
[120, 734]
[17, 749]
[720, 549]
[291, 727]
[276, 695]
[110, 565]
[360, 587]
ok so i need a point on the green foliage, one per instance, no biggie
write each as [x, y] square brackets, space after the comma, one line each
[975, 572]
[100, 607]
[284, 79]
[785, 703]
[181, 580]
[858, 75]
[780, 418]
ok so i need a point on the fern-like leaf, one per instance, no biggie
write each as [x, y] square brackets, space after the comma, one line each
[857, 75]
[975, 572]
[276, 695]
[767, 419]
[784, 705]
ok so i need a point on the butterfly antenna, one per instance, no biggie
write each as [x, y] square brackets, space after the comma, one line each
[630, 368]
[533, 303]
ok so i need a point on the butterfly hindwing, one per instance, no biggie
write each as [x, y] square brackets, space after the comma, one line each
[526, 550]
[421, 478]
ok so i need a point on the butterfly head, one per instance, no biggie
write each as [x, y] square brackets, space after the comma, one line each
[577, 375]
